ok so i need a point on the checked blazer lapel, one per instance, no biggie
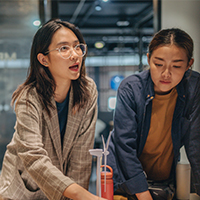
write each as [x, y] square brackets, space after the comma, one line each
[54, 130]
[74, 123]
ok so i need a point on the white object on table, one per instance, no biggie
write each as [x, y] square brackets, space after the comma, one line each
[183, 171]
[98, 153]
[105, 153]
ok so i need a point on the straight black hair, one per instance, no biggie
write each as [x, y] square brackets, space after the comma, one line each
[173, 36]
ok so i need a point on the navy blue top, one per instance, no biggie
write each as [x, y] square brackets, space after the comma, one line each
[62, 115]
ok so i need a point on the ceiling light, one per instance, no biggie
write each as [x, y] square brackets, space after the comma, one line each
[99, 45]
[123, 23]
[98, 8]
[105, 0]
[36, 23]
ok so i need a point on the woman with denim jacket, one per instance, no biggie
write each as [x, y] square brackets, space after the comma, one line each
[157, 112]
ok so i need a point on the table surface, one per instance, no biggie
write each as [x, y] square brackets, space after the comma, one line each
[194, 196]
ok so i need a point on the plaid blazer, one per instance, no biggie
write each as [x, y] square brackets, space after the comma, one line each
[35, 165]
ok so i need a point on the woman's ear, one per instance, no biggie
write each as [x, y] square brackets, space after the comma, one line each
[190, 63]
[42, 59]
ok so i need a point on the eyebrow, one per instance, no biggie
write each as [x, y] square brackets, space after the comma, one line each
[178, 60]
[64, 43]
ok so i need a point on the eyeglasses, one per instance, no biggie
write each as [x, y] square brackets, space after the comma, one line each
[66, 51]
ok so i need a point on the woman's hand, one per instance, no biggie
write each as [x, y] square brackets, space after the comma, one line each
[76, 192]
[144, 195]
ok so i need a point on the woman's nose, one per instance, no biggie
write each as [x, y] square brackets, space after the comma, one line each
[73, 54]
[166, 73]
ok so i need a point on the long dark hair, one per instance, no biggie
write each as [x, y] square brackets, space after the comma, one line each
[174, 36]
[40, 77]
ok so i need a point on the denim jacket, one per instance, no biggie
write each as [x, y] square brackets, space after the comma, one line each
[131, 126]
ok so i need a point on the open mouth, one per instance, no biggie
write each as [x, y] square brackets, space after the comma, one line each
[74, 67]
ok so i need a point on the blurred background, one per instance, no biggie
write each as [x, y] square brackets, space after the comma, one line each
[117, 34]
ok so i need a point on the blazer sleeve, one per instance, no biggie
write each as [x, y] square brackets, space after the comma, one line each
[192, 144]
[31, 151]
[131, 175]
[80, 158]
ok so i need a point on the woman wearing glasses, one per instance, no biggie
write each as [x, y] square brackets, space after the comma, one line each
[56, 112]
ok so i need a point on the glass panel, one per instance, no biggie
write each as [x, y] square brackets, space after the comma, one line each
[16, 33]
